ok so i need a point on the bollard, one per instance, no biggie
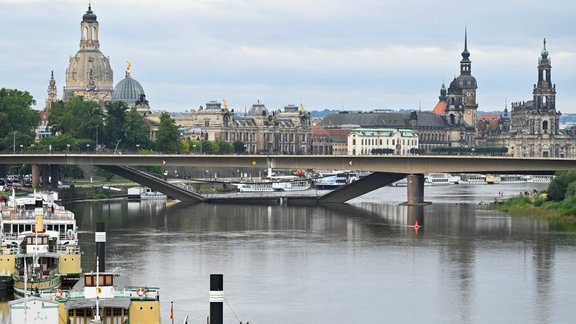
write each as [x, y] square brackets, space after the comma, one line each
[101, 246]
[216, 298]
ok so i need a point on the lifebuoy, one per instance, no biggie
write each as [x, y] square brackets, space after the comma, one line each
[58, 293]
[70, 234]
[140, 292]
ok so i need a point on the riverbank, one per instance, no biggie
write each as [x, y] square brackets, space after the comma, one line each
[536, 206]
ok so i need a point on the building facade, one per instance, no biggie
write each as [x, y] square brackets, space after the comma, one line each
[535, 125]
[286, 131]
[368, 141]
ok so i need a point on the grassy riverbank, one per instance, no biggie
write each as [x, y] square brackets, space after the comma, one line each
[537, 206]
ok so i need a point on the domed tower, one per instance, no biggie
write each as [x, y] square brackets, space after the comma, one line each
[462, 92]
[128, 90]
[89, 74]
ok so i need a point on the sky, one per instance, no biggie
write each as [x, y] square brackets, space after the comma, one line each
[325, 54]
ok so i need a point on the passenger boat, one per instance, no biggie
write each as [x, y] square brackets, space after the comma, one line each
[108, 297]
[333, 180]
[144, 193]
[512, 178]
[440, 179]
[274, 185]
[36, 268]
[542, 178]
[19, 216]
[467, 178]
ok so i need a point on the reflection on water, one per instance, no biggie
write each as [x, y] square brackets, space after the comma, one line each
[344, 263]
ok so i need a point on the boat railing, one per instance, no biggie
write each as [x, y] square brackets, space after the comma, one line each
[67, 249]
[9, 250]
[126, 292]
[11, 214]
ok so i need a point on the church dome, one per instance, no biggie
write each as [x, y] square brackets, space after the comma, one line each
[258, 109]
[128, 90]
[89, 16]
[463, 81]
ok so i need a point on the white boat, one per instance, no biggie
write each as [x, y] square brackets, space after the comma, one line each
[19, 218]
[274, 185]
[542, 178]
[468, 178]
[144, 193]
[37, 263]
[333, 180]
[511, 178]
[440, 179]
[32, 310]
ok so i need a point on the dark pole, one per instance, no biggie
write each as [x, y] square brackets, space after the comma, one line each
[100, 246]
[216, 298]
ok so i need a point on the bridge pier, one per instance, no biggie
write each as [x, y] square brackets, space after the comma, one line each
[415, 189]
[415, 214]
[45, 176]
[35, 176]
[54, 175]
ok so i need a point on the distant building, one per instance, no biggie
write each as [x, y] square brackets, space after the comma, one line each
[330, 141]
[368, 141]
[261, 131]
[535, 126]
[89, 74]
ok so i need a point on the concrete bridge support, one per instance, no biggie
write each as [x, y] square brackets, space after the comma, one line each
[35, 176]
[415, 214]
[54, 175]
[45, 176]
[415, 189]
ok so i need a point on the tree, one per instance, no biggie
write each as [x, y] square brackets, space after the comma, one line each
[59, 143]
[114, 132]
[18, 120]
[137, 131]
[76, 117]
[560, 184]
[168, 138]
[225, 147]
[239, 147]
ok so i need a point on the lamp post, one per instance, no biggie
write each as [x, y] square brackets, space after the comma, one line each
[32, 147]
[14, 143]
[137, 147]
[116, 148]
[67, 148]
[96, 146]
[21, 148]
[87, 148]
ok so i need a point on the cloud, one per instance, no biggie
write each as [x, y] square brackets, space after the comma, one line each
[331, 53]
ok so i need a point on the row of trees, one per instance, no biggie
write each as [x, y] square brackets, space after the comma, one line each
[79, 125]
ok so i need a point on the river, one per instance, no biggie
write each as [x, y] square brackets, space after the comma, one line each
[359, 262]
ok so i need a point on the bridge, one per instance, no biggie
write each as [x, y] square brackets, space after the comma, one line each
[385, 169]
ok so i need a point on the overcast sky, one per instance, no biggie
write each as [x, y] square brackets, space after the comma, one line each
[350, 54]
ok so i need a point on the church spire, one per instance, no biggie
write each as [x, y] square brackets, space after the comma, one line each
[465, 63]
[52, 92]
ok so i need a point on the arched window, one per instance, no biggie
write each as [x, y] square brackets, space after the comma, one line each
[545, 127]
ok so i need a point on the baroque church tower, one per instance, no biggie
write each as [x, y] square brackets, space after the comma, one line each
[89, 74]
[461, 107]
[539, 116]
[52, 93]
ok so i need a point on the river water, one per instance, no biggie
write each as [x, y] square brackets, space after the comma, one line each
[359, 262]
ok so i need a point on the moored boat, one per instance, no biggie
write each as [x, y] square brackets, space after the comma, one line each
[36, 262]
[20, 217]
[144, 193]
[333, 180]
